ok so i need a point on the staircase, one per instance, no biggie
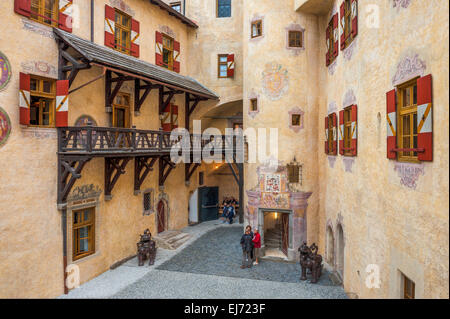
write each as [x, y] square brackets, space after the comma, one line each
[272, 238]
[171, 239]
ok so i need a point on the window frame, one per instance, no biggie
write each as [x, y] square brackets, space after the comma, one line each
[126, 108]
[41, 17]
[170, 49]
[175, 4]
[408, 293]
[258, 24]
[41, 94]
[347, 131]
[332, 41]
[76, 255]
[331, 137]
[219, 64]
[301, 39]
[122, 28]
[410, 111]
[217, 9]
[254, 103]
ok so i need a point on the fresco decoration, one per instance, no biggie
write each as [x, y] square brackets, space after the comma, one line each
[40, 68]
[88, 191]
[5, 127]
[401, 3]
[348, 164]
[121, 5]
[5, 71]
[332, 107]
[275, 81]
[408, 68]
[331, 161]
[349, 98]
[38, 28]
[279, 201]
[332, 67]
[85, 120]
[409, 173]
[168, 31]
[272, 183]
[350, 50]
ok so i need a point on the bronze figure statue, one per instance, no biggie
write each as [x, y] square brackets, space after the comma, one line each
[310, 260]
[146, 248]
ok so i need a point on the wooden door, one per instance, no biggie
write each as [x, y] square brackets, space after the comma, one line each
[121, 111]
[161, 217]
[285, 233]
[209, 203]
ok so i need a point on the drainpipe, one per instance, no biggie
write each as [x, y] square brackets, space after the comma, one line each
[92, 20]
[64, 234]
[184, 7]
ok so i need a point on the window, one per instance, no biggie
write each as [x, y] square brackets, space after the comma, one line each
[42, 104]
[331, 136]
[295, 120]
[45, 11]
[409, 288]
[293, 173]
[331, 42]
[122, 32]
[176, 6]
[348, 131]
[254, 105]
[83, 231]
[407, 121]
[167, 52]
[121, 110]
[223, 8]
[223, 66]
[148, 202]
[348, 22]
[201, 178]
[256, 29]
[295, 39]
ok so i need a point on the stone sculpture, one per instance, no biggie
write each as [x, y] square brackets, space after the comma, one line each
[310, 260]
[146, 248]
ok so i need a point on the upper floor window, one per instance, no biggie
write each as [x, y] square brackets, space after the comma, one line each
[42, 102]
[122, 32]
[407, 121]
[295, 39]
[330, 136]
[223, 8]
[167, 52]
[45, 11]
[256, 30]
[332, 41]
[223, 66]
[176, 6]
[348, 131]
[409, 288]
[349, 22]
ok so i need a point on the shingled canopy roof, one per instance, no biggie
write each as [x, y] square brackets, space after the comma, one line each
[94, 53]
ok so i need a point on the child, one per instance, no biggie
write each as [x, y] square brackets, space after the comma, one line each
[256, 245]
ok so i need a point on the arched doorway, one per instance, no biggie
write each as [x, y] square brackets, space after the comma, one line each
[340, 251]
[161, 216]
[330, 246]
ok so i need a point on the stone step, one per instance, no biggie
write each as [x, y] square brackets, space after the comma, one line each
[171, 239]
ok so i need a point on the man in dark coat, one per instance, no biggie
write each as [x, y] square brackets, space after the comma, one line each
[247, 247]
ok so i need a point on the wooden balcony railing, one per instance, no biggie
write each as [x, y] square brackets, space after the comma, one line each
[119, 141]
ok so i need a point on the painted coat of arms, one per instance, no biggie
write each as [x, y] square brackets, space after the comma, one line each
[5, 71]
[272, 183]
[275, 80]
[5, 126]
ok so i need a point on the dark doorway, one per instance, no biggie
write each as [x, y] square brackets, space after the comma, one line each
[285, 233]
[161, 217]
[209, 203]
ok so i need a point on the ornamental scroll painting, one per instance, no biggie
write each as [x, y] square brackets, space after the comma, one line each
[5, 126]
[275, 81]
[5, 71]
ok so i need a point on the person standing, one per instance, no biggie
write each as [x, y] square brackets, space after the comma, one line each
[247, 247]
[256, 245]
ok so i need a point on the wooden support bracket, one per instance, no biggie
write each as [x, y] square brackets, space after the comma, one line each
[114, 167]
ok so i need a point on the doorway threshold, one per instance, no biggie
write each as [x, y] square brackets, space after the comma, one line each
[275, 255]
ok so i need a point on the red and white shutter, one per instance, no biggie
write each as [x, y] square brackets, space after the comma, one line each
[110, 26]
[336, 34]
[62, 103]
[335, 135]
[174, 109]
[425, 118]
[22, 7]
[326, 136]
[354, 18]
[65, 15]
[342, 11]
[24, 99]
[328, 58]
[176, 56]
[135, 33]
[230, 65]
[341, 132]
[167, 121]
[354, 133]
[158, 49]
[391, 117]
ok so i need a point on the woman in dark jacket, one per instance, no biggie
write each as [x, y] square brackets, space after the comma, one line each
[247, 247]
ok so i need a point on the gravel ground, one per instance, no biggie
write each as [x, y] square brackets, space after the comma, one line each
[219, 253]
[205, 267]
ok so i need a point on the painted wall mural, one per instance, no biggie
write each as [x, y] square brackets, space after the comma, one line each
[401, 3]
[121, 5]
[40, 68]
[38, 28]
[275, 81]
[5, 127]
[409, 173]
[5, 71]
[409, 67]
[350, 50]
